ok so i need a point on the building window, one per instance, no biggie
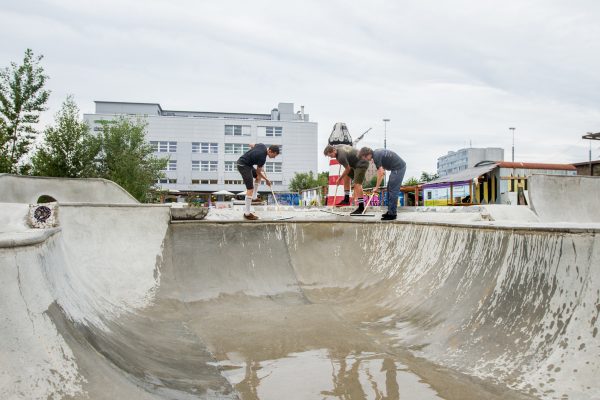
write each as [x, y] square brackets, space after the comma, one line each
[229, 166]
[233, 182]
[273, 183]
[237, 130]
[208, 181]
[195, 181]
[163, 181]
[172, 165]
[164, 147]
[236, 148]
[274, 130]
[212, 148]
[195, 165]
[209, 166]
[273, 167]
[172, 180]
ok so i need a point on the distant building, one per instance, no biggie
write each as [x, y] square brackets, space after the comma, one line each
[583, 168]
[203, 147]
[488, 183]
[460, 160]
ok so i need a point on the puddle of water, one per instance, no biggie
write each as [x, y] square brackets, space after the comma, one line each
[321, 374]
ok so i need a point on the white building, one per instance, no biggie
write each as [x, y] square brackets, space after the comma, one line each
[456, 161]
[203, 147]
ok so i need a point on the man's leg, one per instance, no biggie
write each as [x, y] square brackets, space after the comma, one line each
[257, 180]
[346, 200]
[248, 179]
[359, 178]
[394, 184]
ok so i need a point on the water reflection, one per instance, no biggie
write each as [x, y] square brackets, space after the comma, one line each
[323, 374]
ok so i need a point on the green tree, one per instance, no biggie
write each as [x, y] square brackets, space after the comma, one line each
[69, 149]
[303, 181]
[127, 158]
[323, 179]
[412, 181]
[22, 99]
[428, 177]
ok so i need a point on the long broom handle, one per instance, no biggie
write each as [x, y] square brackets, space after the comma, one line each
[368, 202]
[273, 193]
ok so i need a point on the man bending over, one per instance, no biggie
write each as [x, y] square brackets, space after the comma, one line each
[386, 160]
[354, 168]
[257, 155]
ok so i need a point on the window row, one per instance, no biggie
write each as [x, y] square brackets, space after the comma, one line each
[244, 130]
[205, 166]
[204, 147]
[211, 181]
[164, 147]
[230, 166]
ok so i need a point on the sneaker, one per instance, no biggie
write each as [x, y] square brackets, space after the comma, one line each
[359, 210]
[343, 203]
[388, 217]
[250, 217]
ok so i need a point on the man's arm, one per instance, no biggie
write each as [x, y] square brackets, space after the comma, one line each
[260, 174]
[380, 175]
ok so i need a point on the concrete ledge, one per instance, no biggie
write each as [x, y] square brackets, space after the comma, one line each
[26, 238]
[537, 228]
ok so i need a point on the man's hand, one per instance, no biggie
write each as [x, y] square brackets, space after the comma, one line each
[268, 182]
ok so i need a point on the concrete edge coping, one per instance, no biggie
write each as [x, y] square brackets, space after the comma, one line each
[466, 225]
[32, 238]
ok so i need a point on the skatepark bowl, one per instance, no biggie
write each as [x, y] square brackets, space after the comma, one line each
[118, 302]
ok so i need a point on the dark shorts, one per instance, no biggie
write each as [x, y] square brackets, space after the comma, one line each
[358, 173]
[248, 175]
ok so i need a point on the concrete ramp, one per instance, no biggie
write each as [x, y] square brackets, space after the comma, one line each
[120, 303]
[565, 198]
[28, 189]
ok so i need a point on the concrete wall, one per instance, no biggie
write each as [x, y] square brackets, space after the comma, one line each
[565, 198]
[27, 189]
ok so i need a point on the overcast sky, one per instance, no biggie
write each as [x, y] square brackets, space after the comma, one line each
[447, 73]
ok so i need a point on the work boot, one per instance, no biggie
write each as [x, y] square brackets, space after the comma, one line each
[344, 202]
[388, 217]
[359, 210]
[250, 217]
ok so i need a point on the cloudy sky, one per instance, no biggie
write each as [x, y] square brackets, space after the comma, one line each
[447, 73]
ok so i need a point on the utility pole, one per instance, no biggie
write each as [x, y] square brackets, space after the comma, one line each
[385, 121]
[513, 144]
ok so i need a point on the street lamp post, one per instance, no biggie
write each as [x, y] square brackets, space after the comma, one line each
[385, 121]
[513, 144]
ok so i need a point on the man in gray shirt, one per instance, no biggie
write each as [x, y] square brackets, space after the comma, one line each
[387, 160]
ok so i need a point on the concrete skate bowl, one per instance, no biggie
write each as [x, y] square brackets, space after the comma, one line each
[122, 304]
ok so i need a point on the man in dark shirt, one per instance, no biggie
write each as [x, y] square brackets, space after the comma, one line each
[354, 168]
[387, 160]
[257, 155]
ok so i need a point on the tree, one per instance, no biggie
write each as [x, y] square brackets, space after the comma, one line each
[127, 158]
[428, 177]
[22, 99]
[302, 181]
[323, 179]
[412, 181]
[69, 149]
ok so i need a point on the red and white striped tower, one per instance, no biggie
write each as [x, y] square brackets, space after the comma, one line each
[335, 170]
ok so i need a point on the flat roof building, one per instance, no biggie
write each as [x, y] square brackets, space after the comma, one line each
[203, 146]
[460, 160]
